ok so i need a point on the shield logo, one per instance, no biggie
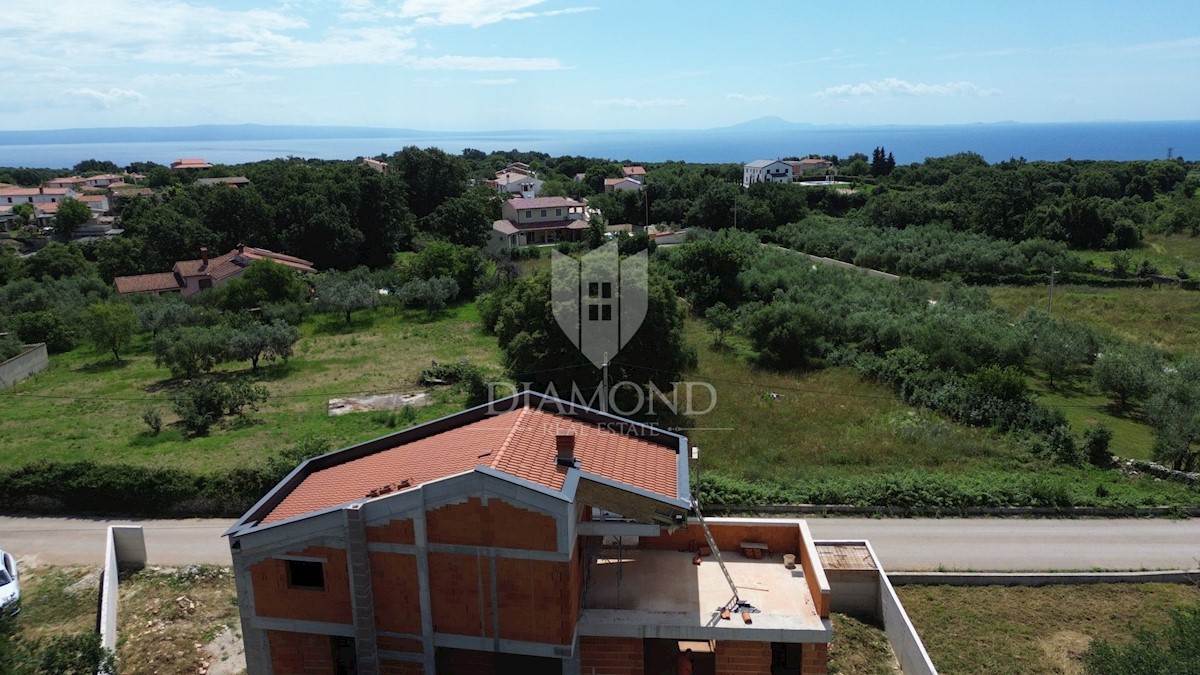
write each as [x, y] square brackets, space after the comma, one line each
[599, 301]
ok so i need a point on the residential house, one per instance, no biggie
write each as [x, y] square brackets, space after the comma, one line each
[189, 277]
[621, 184]
[231, 181]
[809, 166]
[517, 167]
[97, 203]
[541, 220]
[375, 164]
[520, 184]
[37, 195]
[119, 192]
[526, 535]
[635, 172]
[190, 164]
[79, 182]
[766, 171]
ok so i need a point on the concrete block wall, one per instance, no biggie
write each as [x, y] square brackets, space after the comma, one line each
[301, 653]
[736, 657]
[33, 360]
[274, 598]
[613, 656]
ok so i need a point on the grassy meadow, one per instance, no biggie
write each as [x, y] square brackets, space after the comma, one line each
[1166, 252]
[994, 630]
[84, 406]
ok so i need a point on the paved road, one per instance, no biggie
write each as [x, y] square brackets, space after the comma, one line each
[998, 544]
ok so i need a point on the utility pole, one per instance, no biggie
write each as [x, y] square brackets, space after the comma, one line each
[604, 384]
[1050, 304]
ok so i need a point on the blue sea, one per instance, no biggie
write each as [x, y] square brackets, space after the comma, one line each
[995, 142]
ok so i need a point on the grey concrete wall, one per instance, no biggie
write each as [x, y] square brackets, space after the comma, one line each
[854, 592]
[29, 362]
[125, 548]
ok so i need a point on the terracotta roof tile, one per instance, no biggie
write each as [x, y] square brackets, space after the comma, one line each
[520, 443]
[147, 283]
[543, 202]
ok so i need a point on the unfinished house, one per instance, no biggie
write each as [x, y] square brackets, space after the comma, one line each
[527, 535]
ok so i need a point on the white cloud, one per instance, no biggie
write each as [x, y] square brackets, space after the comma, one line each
[750, 98]
[639, 104]
[106, 99]
[897, 87]
[475, 13]
[483, 63]
[496, 82]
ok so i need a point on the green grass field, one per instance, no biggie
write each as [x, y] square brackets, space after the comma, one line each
[994, 630]
[1163, 317]
[1166, 252]
[86, 407]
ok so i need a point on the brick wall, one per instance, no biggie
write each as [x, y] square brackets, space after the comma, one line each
[273, 597]
[498, 524]
[465, 662]
[396, 592]
[456, 583]
[611, 656]
[779, 538]
[300, 653]
[389, 667]
[535, 600]
[740, 657]
[399, 531]
[814, 659]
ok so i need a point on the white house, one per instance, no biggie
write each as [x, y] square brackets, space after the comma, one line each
[519, 184]
[766, 171]
[621, 184]
[543, 220]
[37, 195]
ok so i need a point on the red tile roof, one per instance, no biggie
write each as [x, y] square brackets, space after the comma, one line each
[633, 171]
[147, 283]
[190, 163]
[520, 443]
[543, 202]
[235, 261]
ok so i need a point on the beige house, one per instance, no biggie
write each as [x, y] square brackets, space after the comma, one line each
[542, 220]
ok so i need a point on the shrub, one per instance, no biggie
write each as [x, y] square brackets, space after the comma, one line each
[45, 326]
[429, 294]
[1095, 445]
[10, 346]
[190, 351]
[200, 405]
[153, 419]
[1060, 443]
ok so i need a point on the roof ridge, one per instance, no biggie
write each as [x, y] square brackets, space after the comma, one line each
[508, 439]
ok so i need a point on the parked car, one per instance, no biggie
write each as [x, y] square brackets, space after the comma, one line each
[10, 584]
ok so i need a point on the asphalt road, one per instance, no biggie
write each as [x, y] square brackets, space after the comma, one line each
[991, 544]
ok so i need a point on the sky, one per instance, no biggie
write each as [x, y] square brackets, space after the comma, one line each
[479, 65]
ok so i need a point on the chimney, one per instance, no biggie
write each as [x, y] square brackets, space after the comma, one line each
[204, 256]
[241, 248]
[564, 444]
[41, 190]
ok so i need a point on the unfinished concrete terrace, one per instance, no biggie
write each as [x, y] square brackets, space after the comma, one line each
[654, 589]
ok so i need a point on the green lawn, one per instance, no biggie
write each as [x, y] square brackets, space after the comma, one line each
[1166, 252]
[1163, 317]
[994, 630]
[86, 407]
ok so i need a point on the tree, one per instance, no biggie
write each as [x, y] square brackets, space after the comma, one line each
[1126, 373]
[722, 319]
[188, 352]
[463, 264]
[429, 294]
[337, 292]
[118, 256]
[110, 326]
[256, 341]
[1173, 412]
[47, 326]
[96, 166]
[263, 282]
[164, 313]
[24, 215]
[58, 261]
[465, 220]
[71, 214]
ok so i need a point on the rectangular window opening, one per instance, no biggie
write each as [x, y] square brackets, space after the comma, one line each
[306, 574]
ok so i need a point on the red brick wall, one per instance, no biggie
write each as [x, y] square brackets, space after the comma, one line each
[535, 599]
[780, 538]
[396, 591]
[387, 667]
[814, 659]
[611, 656]
[455, 584]
[273, 597]
[398, 531]
[300, 653]
[735, 656]
[498, 524]
[397, 644]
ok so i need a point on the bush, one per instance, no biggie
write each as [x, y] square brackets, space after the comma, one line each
[46, 326]
[153, 419]
[200, 405]
[1095, 445]
[10, 346]
[428, 294]
[189, 352]
[1060, 444]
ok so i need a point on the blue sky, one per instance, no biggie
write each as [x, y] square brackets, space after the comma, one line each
[478, 65]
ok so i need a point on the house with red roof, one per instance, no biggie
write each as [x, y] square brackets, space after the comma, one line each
[189, 277]
[189, 164]
[539, 220]
[526, 535]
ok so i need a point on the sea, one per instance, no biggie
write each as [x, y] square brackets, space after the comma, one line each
[995, 142]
